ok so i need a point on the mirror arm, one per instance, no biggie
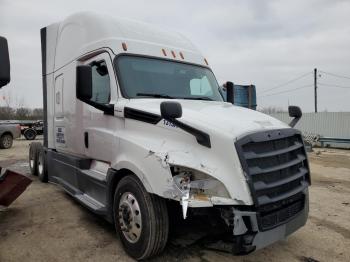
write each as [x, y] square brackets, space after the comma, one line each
[201, 137]
[294, 121]
[107, 109]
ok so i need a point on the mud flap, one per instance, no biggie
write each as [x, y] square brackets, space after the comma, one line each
[12, 185]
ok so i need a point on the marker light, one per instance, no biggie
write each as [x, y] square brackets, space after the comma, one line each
[164, 53]
[182, 56]
[125, 48]
[205, 60]
[173, 53]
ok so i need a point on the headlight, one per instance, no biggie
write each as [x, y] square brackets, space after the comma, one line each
[198, 183]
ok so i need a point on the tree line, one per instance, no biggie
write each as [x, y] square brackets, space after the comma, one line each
[21, 113]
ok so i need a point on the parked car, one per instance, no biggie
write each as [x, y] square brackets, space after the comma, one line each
[8, 132]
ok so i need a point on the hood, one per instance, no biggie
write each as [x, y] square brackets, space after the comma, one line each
[214, 116]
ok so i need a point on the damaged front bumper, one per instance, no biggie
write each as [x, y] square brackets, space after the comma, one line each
[253, 230]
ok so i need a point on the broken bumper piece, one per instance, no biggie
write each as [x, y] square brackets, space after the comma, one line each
[250, 234]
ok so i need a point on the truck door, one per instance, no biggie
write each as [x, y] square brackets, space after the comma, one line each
[99, 129]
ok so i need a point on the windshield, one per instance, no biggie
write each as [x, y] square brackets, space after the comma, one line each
[141, 77]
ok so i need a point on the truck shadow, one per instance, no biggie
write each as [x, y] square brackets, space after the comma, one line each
[187, 238]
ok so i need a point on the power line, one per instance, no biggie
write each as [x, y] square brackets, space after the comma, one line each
[333, 85]
[286, 83]
[335, 75]
[286, 91]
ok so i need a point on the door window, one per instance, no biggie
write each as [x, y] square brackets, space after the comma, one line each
[101, 91]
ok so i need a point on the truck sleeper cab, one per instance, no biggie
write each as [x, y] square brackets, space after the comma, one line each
[133, 120]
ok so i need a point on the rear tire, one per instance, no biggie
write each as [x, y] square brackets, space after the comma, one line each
[30, 134]
[42, 166]
[34, 148]
[133, 203]
[6, 141]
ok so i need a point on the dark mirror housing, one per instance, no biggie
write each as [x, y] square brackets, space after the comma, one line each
[229, 92]
[4, 62]
[84, 83]
[294, 111]
[170, 110]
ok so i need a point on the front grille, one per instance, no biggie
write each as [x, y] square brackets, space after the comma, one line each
[281, 215]
[276, 168]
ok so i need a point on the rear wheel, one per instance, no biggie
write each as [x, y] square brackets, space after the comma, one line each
[141, 219]
[42, 165]
[34, 149]
[6, 141]
[30, 134]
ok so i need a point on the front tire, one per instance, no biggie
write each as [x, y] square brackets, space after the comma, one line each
[6, 141]
[141, 219]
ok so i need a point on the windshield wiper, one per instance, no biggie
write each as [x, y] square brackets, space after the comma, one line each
[154, 95]
[198, 98]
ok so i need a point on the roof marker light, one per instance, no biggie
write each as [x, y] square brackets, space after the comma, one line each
[182, 56]
[205, 60]
[164, 53]
[173, 53]
[125, 48]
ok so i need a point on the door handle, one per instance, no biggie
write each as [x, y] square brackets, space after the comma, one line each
[86, 139]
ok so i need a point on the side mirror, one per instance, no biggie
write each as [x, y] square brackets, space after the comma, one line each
[84, 83]
[170, 110]
[230, 92]
[294, 111]
[4, 62]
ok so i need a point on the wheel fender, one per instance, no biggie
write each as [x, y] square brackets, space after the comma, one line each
[134, 169]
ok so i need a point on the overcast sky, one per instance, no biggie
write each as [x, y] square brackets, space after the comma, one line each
[266, 43]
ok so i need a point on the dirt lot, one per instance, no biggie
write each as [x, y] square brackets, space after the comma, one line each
[45, 224]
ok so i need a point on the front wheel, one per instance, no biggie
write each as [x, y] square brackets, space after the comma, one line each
[141, 219]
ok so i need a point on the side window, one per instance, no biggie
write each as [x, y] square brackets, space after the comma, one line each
[101, 91]
[200, 87]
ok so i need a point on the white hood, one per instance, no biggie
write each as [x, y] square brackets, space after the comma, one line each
[215, 116]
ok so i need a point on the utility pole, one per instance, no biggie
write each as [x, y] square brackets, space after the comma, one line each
[315, 85]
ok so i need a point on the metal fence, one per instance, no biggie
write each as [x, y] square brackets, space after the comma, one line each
[326, 124]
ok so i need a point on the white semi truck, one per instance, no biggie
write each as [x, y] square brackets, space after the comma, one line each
[134, 122]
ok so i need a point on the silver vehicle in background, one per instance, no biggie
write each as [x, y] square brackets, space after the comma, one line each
[8, 132]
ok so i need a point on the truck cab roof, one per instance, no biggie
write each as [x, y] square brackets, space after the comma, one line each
[85, 32]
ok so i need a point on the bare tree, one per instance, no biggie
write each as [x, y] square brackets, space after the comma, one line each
[23, 113]
[272, 110]
[7, 113]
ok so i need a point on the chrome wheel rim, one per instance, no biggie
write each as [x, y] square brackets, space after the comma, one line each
[7, 141]
[129, 216]
[31, 163]
[40, 166]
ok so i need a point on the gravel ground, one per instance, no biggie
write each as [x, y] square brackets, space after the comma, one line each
[45, 224]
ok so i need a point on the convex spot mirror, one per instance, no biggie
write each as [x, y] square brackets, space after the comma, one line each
[294, 111]
[170, 110]
[4, 62]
